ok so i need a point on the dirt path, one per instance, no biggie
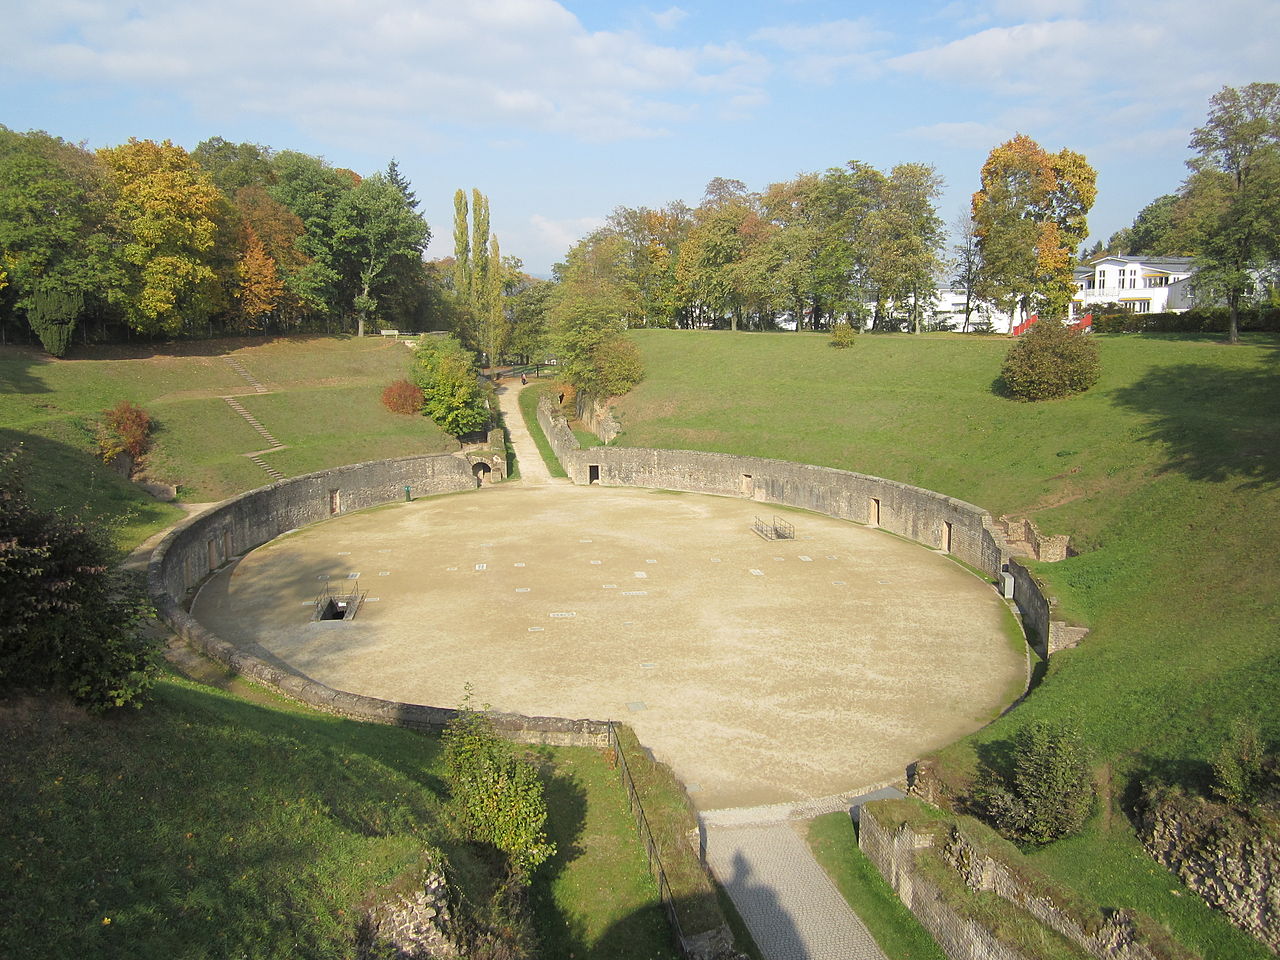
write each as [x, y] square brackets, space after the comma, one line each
[533, 469]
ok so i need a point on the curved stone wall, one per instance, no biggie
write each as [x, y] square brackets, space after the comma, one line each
[204, 543]
[930, 518]
[925, 516]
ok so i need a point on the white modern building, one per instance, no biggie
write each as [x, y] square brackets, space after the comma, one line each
[1139, 284]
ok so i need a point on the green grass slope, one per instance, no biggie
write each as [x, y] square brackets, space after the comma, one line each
[208, 825]
[1166, 474]
[323, 404]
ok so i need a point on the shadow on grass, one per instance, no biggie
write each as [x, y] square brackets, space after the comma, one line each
[1218, 424]
[18, 370]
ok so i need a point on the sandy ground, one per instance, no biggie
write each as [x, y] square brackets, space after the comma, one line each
[762, 671]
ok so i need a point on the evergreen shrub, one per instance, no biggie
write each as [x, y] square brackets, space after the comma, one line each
[1048, 792]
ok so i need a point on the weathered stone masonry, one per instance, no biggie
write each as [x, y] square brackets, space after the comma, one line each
[933, 519]
[204, 543]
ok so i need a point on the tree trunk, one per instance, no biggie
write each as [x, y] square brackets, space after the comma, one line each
[1233, 323]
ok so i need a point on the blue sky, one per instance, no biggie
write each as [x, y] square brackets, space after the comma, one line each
[562, 111]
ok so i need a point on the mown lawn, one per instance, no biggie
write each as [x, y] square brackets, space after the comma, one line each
[1166, 474]
[323, 405]
[209, 825]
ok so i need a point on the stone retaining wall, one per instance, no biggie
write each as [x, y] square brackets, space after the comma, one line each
[204, 543]
[1046, 635]
[894, 854]
[893, 851]
[924, 516]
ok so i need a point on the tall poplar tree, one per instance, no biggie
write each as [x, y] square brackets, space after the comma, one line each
[461, 247]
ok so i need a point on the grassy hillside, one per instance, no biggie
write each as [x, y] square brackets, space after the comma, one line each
[323, 405]
[1167, 476]
[211, 825]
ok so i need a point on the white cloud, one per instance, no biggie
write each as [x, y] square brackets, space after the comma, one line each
[669, 19]
[821, 52]
[527, 64]
[555, 237]
[1156, 64]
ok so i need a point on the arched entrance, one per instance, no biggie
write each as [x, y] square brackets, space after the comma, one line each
[481, 471]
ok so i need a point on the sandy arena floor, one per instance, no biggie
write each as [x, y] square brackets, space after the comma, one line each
[761, 671]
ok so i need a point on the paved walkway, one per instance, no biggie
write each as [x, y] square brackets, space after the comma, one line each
[533, 469]
[789, 904]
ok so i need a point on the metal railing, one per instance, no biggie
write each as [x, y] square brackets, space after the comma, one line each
[650, 845]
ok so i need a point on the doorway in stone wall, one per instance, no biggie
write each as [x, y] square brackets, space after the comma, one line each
[481, 472]
[946, 536]
[873, 512]
[593, 473]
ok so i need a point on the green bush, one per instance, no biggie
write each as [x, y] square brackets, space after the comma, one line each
[453, 394]
[1197, 320]
[1048, 793]
[53, 315]
[72, 624]
[617, 366]
[1050, 361]
[1244, 771]
[843, 335]
[498, 795]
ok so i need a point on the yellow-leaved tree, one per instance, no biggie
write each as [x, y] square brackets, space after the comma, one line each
[166, 211]
[1030, 216]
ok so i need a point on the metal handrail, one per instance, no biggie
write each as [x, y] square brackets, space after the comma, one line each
[650, 845]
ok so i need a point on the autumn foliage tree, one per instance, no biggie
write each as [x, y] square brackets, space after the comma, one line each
[260, 287]
[1030, 215]
[166, 208]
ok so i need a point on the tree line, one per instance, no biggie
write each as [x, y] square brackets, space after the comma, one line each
[149, 238]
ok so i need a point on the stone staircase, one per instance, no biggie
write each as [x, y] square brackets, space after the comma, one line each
[263, 432]
[248, 377]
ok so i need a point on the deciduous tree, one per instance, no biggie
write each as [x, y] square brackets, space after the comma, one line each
[376, 229]
[55, 237]
[165, 209]
[1030, 215]
[1231, 202]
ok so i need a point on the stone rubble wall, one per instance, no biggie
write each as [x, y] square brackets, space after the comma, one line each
[1043, 547]
[893, 851]
[1230, 863]
[598, 417]
[412, 926]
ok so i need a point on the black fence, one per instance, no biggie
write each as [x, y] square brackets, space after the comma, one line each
[650, 845]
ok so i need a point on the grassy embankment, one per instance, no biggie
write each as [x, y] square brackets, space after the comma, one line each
[323, 406]
[1167, 476]
[211, 825]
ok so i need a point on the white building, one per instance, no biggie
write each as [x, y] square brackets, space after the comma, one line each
[1140, 284]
